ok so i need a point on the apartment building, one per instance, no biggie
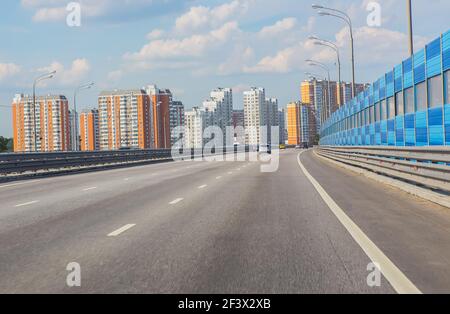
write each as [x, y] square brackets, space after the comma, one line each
[197, 120]
[220, 105]
[89, 130]
[44, 127]
[177, 119]
[282, 124]
[254, 103]
[124, 119]
[300, 123]
[161, 100]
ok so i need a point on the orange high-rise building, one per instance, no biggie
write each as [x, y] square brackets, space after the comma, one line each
[161, 100]
[293, 123]
[44, 127]
[124, 119]
[89, 130]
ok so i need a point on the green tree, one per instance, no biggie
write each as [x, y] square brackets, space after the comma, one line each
[6, 144]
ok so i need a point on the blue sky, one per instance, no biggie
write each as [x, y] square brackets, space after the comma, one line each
[193, 46]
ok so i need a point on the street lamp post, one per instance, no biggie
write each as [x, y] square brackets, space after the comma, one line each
[343, 16]
[329, 44]
[37, 80]
[324, 67]
[75, 135]
[410, 27]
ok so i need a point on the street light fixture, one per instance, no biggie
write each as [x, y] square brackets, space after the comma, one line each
[75, 135]
[334, 47]
[327, 69]
[43, 77]
[346, 18]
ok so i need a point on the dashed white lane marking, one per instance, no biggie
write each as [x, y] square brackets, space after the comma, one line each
[90, 189]
[392, 273]
[26, 204]
[230, 172]
[202, 186]
[126, 179]
[218, 178]
[121, 230]
[17, 184]
[176, 201]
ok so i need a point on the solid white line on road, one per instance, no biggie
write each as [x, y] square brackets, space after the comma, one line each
[121, 230]
[176, 201]
[26, 204]
[393, 274]
[90, 189]
[202, 186]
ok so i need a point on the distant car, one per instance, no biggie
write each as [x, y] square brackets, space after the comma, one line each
[282, 146]
[298, 147]
[305, 145]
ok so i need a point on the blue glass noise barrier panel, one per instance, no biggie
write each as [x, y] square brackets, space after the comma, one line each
[399, 131]
[377, 134]
[446, 51]
[436, 126]
[434, 65]
[447, 124]
[421, 128]
[372, 133]
[407, 73]
[410, 132]
[391, 132]
[390, 84]
[398, 78]
[367, 132]
[383, 127]
[419, 67]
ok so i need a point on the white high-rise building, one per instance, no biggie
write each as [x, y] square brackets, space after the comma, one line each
[220, 104]
[254, 104]
[196, 121]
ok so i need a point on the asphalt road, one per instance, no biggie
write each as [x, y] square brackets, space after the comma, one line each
[215, 227]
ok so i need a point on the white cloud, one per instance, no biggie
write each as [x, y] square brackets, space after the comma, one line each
[201, 17]
[55, 10]
[278, 28]
[8, 70]
[155, 34]
[192, 46]
[68, 76]
[49, 14]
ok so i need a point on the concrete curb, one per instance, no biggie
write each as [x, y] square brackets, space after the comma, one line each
[406, 187]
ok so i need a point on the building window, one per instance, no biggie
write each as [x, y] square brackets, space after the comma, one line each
[435, 91]
[391, 107]
[409, 100]
[399, 107]
[447, 87]
[421, 97]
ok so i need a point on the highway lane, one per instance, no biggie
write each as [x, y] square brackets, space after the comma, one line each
[186, 228]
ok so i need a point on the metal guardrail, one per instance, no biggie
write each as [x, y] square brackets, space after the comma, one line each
[427, 166]
[34, 162]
